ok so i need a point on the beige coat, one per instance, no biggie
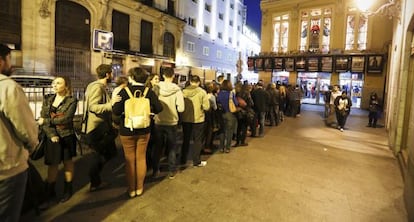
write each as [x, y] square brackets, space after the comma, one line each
[98, 105]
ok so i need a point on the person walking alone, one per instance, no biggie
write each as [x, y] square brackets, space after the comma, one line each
[342, 108]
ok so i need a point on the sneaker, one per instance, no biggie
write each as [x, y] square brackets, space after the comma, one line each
[244, 144]
[171, 175]
[342, 129]
[202, 164]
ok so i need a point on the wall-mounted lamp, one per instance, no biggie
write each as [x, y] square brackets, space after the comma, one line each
[391, 9]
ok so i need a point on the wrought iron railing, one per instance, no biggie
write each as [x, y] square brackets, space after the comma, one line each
[36, 95]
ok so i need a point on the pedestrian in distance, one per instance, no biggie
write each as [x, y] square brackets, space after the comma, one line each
[18, 136]
[374, 109]
[342, 108]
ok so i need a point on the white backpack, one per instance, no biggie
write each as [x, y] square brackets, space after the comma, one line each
[137, 110]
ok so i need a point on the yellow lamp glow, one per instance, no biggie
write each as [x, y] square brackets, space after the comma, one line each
[364, 5]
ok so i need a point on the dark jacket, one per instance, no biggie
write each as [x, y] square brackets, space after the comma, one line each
[260, 99]
[59, 123]
[118, 109]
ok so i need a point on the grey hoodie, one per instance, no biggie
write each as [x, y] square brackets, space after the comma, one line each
[172, 101]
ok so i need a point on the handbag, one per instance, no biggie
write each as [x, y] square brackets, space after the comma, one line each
[232, 106]
[39, 151]
[241, 101]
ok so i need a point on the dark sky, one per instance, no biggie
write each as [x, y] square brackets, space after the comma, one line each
[254, 15]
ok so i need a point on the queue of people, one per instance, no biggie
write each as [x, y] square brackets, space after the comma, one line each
[206, 113]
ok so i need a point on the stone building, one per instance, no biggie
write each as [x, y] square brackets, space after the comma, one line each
[383, 34]
[73, 37]
[327, 42]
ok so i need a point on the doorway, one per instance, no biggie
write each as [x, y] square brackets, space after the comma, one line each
[313, 86]
[352, 84]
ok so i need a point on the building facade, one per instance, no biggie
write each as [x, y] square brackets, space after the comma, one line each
[382, 35]
[325, 42]
[72, 38]
[215, 39]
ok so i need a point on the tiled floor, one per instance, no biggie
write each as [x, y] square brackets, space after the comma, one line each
[300, 171]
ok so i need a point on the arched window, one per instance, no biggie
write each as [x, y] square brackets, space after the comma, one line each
[169, 47]
[72, 40]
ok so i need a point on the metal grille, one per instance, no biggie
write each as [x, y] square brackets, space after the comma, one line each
[73, 63]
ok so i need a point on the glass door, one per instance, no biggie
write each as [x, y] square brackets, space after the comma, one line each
[352, 84]
[313, 86]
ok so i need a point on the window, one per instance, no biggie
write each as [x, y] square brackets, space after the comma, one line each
[207, 7]
[356, 36]
[232, 6]
[206, 51]
[169, 46]
[239, 12]
[220, 35]
[146, 37]
[11, 22]
[231, 22]
[206, 29]
[238, 28]
[230, 40]
[190, 46]
[315, 30]
[221, 16]
[195, 1]
[192, 22]
[120, 28]
[219, 54]
[280, 33]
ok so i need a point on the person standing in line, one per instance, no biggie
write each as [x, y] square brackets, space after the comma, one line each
[243, 96]
[166, 123]
[135, 141]
[342, 107]
[196, 103]
[223, 99]
[260, 100]
[98, 118]
[152, 82]
[18, 136]
[335, 93]
[374, 108]
[56, 119]
[209, 118]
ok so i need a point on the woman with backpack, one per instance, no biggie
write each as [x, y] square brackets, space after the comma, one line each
[134, 140]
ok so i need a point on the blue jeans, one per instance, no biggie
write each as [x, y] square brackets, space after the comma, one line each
[11, 197]
[229, 124]
[260, 119]
[165, 137]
